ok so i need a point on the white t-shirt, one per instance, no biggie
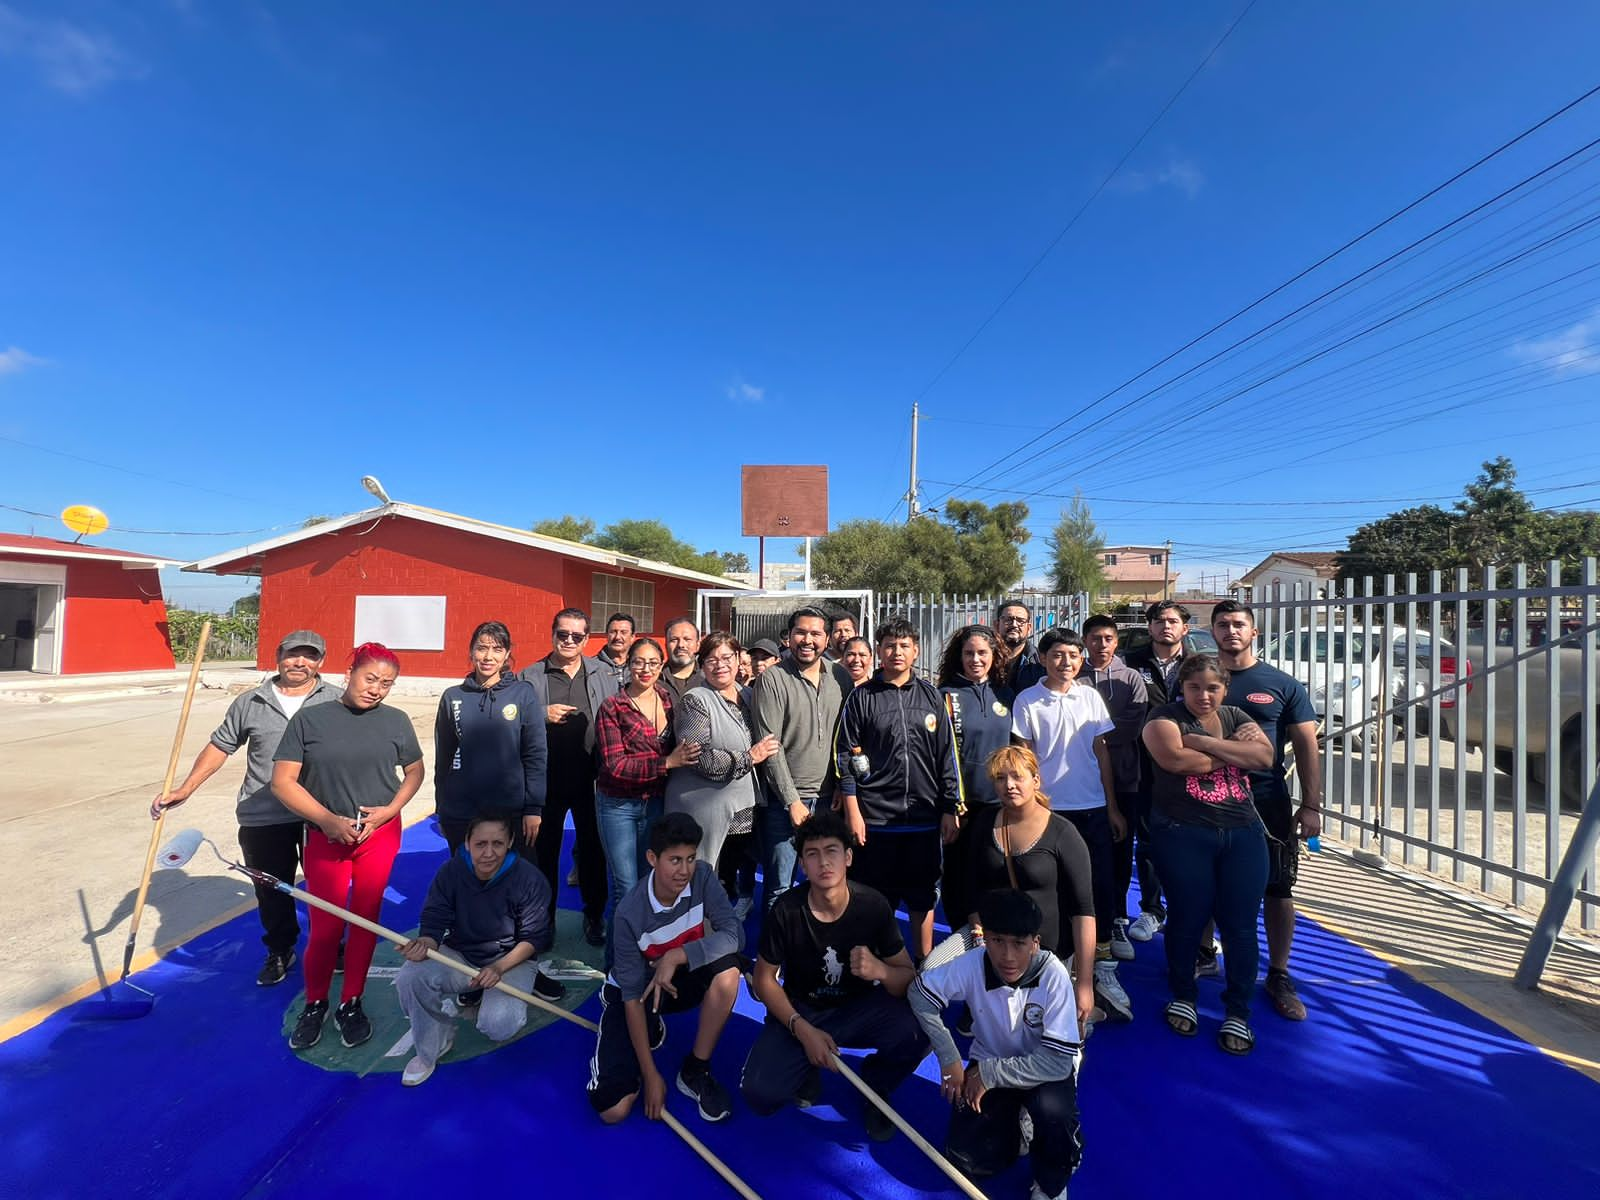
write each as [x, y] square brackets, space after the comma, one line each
[1062, 726]
[289, 704]
[1039, 1011]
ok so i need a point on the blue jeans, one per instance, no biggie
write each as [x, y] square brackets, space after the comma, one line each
[625, 834]
[775, 834]
[1211, 872]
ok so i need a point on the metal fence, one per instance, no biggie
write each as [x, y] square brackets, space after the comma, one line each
[937, 617]
[753, 615]
[1460, 721]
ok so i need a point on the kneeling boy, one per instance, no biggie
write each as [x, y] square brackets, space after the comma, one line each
[845, 973]
[1025, 1049]
[492, 908]
[676, 917]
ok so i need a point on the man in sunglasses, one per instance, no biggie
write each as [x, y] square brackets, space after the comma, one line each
[572, 688]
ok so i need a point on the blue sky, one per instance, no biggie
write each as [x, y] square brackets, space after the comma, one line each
[518, 260]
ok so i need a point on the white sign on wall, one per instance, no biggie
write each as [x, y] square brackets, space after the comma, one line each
[401, 622]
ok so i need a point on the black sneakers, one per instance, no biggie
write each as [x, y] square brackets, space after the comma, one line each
[696, 1082]
[275, 969]
[879, 1127]
[548, 989]
[354, 1028]
[594, 930]
[308, 1029]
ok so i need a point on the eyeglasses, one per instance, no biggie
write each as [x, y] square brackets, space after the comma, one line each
[721, 660]
[645, 664]
[1014, 620]
[570, 635]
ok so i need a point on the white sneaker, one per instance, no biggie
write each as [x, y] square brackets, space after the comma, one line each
[742, 907]
[1037, 1193]
[416, 1072]
[1145, 926]
[1108, 991]
[1209, 966]
[1121, 947]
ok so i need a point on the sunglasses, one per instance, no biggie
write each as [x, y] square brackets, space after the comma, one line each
[568, 635]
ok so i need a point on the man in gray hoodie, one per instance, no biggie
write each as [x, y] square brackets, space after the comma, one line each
[797, 701]
[269, 834]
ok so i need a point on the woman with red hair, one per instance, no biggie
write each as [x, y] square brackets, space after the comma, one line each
[347, 772]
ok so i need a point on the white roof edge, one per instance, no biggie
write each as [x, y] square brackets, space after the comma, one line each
[128, 558]
[505, 533]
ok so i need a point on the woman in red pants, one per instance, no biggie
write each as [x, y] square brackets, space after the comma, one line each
[347, 773]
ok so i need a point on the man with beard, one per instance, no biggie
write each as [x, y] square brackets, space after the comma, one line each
[797, 701]
[1013, 621]
[840, 630]
[683, 649]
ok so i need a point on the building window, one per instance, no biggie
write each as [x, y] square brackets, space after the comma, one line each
[614, 594]
[1155, 560]
[1111, 560]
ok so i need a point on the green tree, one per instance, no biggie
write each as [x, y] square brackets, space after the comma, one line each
[567, 527]
[1495, 518]
[733, 560]
[1413, 539]
[1076, 545]
[974, 549]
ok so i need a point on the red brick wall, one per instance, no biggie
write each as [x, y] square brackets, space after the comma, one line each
[115, 620]
[313, 585]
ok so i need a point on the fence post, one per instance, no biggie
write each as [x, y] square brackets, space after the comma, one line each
[1558, 899]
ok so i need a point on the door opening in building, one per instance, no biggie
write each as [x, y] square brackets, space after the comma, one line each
[27, 626]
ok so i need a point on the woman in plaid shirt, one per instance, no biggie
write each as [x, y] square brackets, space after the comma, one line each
[633, 738]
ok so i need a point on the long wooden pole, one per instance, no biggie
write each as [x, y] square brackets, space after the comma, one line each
[904, 1126]
[455, 964]
[172, 773]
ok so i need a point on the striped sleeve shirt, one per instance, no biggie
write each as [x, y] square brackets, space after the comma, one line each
[701, 921]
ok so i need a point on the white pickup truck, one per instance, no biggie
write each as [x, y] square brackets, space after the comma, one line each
[1317, 659]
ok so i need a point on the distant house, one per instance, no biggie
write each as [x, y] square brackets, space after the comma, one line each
[68, 608]
[1135, 575]
[419, 580]
[1313, 570]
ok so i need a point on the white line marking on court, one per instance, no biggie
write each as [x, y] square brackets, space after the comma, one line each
[400, 1047]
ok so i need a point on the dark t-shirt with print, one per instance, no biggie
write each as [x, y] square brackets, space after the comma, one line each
[814, 956]
[348, 757]
[1274, 700]
[1219, 798]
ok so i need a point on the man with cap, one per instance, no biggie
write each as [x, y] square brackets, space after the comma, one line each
[269, 834]
[763, 654]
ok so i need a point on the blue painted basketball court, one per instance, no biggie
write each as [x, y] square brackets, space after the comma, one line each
[1390, 1089]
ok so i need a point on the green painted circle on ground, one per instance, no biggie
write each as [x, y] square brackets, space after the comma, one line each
[390, 1046]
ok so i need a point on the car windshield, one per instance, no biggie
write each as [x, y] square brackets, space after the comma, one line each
[1308, 647]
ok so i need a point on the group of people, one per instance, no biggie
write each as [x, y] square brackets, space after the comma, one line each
[1022, 789]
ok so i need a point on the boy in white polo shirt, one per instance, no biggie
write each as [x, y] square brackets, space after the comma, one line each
[1025, 1049]
[1065, 726]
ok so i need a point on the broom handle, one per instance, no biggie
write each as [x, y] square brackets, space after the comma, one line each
[900, 1123]
[172, 773]
[455, 964]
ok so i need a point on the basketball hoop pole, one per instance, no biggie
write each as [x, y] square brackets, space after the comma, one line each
[761, 563]
[808, 564]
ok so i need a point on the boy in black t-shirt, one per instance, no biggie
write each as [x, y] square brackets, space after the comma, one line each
[845, 974]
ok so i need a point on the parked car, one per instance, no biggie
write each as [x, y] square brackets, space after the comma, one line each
[1466, 722]
[1137, 637]
[1318, 660]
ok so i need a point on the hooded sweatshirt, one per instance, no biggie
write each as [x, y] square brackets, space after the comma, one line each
[489, 750]
[482, 919]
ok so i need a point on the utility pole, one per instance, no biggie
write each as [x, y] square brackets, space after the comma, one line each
[1166, 572]
[911, 493]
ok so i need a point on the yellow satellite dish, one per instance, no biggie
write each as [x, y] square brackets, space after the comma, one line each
[84, 519]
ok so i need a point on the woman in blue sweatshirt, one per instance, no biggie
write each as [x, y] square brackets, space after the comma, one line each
[491, 909]
[489, 745]
[972, 680]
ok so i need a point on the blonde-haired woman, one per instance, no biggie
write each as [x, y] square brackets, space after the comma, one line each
[1021, 844]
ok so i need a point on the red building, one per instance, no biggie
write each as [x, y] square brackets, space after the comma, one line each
[67, 608]
[419, 581]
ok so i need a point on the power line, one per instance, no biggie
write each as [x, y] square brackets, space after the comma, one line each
[94, 462]
[1256, 303]
[1093, 196]
[155, 532]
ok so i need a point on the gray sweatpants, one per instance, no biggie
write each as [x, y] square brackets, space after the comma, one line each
[428, 990]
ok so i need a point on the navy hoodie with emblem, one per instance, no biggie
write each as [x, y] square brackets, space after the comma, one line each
[489, 750]
[482, 919]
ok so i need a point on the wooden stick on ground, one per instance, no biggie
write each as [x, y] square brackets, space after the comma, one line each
[172, 773]
[455, 964]
[904, 1126]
